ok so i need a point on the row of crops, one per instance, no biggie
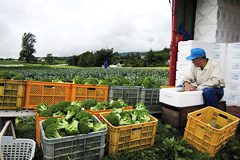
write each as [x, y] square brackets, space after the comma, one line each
[67, 75]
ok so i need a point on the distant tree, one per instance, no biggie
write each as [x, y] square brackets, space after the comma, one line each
[87, 59]
[28, 40]
[49, 58]
[103, 55]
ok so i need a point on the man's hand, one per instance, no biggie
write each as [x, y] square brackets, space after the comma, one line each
[189, 87]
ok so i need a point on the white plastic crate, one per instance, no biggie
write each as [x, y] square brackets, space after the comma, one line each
[172, 97]
[81, 146]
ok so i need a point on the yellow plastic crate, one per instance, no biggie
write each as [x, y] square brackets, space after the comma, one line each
[203, 136]
[130, 137]
[12, 94]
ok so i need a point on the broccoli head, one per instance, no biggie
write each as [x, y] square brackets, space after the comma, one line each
[58, 113]
[141, 106]
[99, 127]
[85, 126]
[62, 123]
[144, 117]
[41, 107]
[71, 111]
[53, 107]
[51, 131]
[125, 119]
[100, 107]
[72, 128]
[88, 103]
[134, 114]
[77, 103]
[123, 104]
[49, 121]
[113, 119]
[84, 114]
[46, 113]
[62, 105]
[115, 104]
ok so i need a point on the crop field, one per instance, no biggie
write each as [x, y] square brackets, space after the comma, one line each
[66, 75]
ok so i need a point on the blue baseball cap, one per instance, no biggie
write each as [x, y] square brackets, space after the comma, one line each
[195, 53]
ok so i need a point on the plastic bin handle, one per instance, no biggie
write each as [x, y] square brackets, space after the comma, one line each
[3, 132]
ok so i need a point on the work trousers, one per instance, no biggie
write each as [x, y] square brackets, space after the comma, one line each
[212, 95]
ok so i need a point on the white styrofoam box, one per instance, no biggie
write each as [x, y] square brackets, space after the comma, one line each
[206, 3]
[218, 47]
[232, 67]
[205, 33]
[181, 55]
[206, 16]
[232, 100]
[232, 57]
[188, 45]
[184, 65]
[172, 97]
[218, 57]
[181, 74]
[233, 47]
[232, 78]
[231, 88]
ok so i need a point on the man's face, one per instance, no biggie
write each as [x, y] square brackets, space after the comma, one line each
[197, 61]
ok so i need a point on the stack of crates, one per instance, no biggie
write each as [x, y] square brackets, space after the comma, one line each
[11, 94]
[130, 137]
[209, 128]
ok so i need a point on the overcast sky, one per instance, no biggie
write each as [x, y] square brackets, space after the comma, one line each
[72, 27]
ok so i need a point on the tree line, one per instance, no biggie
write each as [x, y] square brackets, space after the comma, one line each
[97, 58]
[135, 59]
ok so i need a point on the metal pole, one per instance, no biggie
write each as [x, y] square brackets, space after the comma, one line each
[173, 56]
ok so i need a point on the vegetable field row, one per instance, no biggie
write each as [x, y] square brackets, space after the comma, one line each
[66, 75]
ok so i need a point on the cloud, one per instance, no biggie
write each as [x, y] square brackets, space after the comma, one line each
[71, 27]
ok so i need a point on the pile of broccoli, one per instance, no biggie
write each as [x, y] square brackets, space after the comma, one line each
[60, 109]
[78, 122]
[120, 117]
[93, 105]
